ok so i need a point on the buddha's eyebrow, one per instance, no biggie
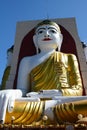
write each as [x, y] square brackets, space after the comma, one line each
[40, 29]
[45, 28]
[52, 28]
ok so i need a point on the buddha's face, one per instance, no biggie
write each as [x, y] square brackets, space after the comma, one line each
[47, 37]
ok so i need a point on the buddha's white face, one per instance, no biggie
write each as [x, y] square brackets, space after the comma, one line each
[47, 37]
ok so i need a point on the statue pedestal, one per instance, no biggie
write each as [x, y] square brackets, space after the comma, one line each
[46, 128]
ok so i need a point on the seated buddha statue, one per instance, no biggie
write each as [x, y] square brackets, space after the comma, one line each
[49, 69]
[8, 67]
[44, 79]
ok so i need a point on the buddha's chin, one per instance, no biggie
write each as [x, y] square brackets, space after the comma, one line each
[48, 47]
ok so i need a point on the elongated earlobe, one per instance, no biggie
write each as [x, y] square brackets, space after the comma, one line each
[61, 40]
[35, 43]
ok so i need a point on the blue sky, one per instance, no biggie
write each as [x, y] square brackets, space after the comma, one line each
[12, 11]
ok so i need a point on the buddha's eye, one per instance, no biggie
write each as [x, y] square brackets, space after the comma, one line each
[40, 32]
[53, 31]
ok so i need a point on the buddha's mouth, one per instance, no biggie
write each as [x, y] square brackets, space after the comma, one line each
[47, 39]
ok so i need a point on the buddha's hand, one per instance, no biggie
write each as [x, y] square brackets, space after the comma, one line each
[7, 98]
[45, 93]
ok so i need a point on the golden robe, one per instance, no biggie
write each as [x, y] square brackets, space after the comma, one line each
[60, 71]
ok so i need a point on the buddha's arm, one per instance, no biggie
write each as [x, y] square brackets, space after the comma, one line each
[74, 78]
[23, 81]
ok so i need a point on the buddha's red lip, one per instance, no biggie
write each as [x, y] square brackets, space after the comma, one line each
[47, 39]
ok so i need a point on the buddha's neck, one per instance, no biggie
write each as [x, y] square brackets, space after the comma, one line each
[47, 50]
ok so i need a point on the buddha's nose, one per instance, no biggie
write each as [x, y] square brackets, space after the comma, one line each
[46, 34]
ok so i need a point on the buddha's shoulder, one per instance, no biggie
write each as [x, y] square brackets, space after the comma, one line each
[25, 60]
[67, 55]
[29, 59]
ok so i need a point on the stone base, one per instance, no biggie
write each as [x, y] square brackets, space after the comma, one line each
[59, 127]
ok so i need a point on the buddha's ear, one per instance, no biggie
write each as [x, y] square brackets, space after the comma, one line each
[61, 37]
[34, 39]
[35, 42]
[61, 40]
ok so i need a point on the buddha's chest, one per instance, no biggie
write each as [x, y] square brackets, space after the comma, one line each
[49, 74]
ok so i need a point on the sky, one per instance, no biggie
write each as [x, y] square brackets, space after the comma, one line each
[13, 11]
